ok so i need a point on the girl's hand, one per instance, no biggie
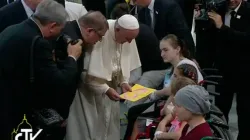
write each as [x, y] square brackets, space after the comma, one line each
[152, 96]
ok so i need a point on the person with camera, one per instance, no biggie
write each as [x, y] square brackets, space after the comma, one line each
[17, 43]
[233, 34]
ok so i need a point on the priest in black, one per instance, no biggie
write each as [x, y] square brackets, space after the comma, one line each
[90, 28]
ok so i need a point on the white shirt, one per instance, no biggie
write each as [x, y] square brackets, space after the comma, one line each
[151, 8]
[75, 10]
[228, 15]
[169, 78]
[27, 9]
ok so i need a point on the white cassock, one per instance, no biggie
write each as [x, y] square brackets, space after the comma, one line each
[75, 10]
[93, 116]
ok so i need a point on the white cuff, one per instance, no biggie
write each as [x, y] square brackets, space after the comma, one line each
[107, 88]
[72, 57]
[152, 96]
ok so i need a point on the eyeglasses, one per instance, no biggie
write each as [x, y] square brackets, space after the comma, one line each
[100, 36]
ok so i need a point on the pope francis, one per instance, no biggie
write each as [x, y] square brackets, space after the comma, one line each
[95, 112]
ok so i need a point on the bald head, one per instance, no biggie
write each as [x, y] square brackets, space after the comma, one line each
[94, 19]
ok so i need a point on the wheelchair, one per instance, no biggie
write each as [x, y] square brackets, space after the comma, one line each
[215, 118]
[219, 129]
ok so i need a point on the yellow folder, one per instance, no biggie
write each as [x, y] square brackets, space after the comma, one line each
[138, 92]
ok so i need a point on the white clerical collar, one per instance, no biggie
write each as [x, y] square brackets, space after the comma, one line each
[27, 9]
[37, 26]
[151, 5]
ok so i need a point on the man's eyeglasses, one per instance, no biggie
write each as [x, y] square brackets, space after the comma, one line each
[98, 34]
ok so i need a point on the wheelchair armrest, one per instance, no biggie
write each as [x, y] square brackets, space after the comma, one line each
[218, 123]
[211, 138]
[216, 78]
[209, 82]
[213, 93]
[206, 83]
[216, 113]
[210, 69]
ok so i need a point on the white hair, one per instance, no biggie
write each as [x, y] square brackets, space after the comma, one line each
[51, 11]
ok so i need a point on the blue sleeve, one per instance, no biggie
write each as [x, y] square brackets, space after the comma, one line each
[167, 79]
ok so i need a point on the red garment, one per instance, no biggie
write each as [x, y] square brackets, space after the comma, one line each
[199, 132]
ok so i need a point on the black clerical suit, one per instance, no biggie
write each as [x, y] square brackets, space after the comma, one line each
[168, 19]
[11, 14]
[232, 61]
[16, 98]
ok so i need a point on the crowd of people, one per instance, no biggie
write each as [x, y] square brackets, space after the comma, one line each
[74, 62]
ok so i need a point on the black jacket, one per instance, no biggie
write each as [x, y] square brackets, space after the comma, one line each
[169, 19]
[72, 30]
[148, 49]
[11, 14]
[17, 99]
[234, 40]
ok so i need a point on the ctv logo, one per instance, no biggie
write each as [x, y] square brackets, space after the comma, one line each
[24, 131]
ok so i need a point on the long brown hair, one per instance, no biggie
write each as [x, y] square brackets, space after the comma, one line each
[188, 71]
[175, 42]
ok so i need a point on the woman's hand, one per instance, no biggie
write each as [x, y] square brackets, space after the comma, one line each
[152, 96]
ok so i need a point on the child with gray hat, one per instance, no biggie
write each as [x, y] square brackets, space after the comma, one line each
[191, 104]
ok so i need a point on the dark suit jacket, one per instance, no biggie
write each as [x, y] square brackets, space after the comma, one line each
[16, 98]
[169, 19]
[187, 7]
[148, 49]
[95, 5]
[11, 14]
[234, 41]
[3, 3]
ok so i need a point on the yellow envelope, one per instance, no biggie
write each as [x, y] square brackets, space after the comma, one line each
[138, 92]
